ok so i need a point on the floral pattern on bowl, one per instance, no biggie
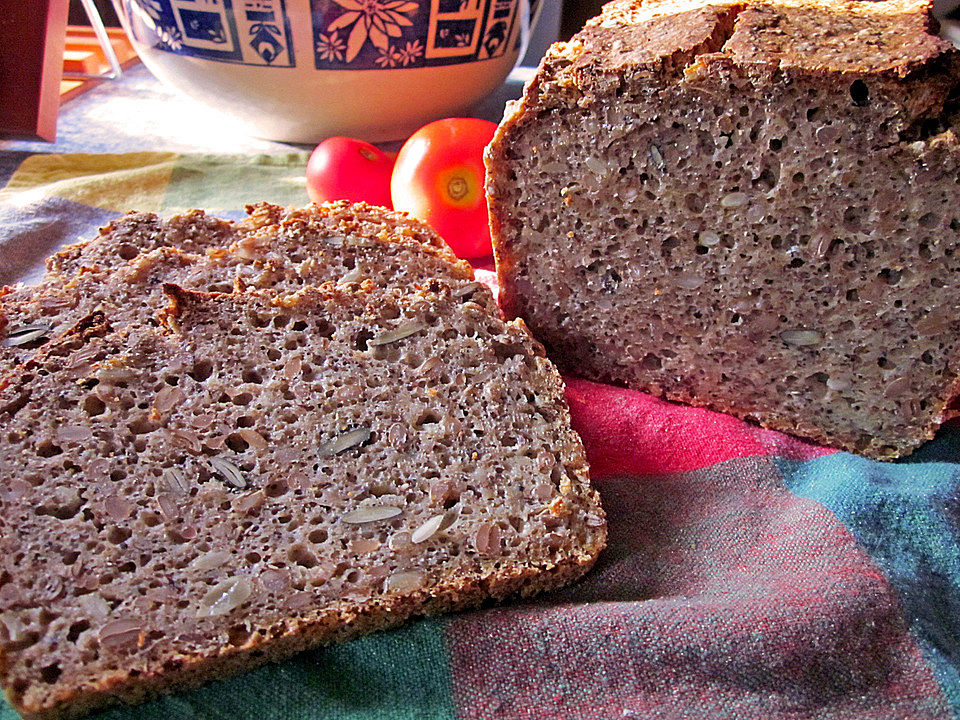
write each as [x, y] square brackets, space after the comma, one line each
[347, 34]
[303, 70]
[358, 34]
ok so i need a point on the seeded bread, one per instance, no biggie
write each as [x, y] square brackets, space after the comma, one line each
[274, 248]
[260, 474]
[753, 207]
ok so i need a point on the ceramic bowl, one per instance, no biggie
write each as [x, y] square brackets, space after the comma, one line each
[303, 70]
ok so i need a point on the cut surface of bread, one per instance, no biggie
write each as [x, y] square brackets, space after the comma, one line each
[260, 474]
[753, 207]
[122, 269]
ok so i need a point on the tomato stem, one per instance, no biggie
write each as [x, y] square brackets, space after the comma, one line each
[457, 187]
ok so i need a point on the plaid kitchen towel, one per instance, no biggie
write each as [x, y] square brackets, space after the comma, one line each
[748, 574]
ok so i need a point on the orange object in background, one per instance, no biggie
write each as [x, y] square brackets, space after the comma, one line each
[83, 54]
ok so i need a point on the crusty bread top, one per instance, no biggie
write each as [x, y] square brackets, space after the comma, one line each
[893, 38]
[196, 232]
[866, 36]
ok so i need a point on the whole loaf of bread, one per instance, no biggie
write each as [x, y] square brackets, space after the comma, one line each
[749, 206]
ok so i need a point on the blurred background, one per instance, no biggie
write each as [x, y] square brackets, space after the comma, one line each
[138, 112]
[559, 20]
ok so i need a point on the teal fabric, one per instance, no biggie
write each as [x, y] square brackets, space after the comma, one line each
[397, 675]
[906, 516]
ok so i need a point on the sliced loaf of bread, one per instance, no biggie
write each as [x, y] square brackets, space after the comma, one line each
[750, 206]
[274, 248]
[263, 473]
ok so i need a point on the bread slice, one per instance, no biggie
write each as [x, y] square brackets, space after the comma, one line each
[753, 207]
[123, 239]
[261, 474]
[274, 248]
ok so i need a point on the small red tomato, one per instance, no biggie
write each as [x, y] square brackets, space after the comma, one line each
[341, 168]
[438, 178]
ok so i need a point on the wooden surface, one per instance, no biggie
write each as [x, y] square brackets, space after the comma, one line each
[31, 58]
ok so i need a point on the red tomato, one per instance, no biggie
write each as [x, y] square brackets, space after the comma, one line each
[342, 168]
[438, 178]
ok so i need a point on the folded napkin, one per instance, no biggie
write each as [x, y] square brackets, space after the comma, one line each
[748, 574]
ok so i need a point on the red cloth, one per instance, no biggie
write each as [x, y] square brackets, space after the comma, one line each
[721, 592]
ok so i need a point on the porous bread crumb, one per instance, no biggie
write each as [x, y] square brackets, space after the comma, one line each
[260, 474]
[753, 207]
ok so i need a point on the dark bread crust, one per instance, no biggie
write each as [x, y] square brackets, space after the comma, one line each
[844, 37]
[846, 115]
[663, 37]
[332, 626]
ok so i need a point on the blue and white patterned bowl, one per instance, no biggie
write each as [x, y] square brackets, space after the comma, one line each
[303, 70]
